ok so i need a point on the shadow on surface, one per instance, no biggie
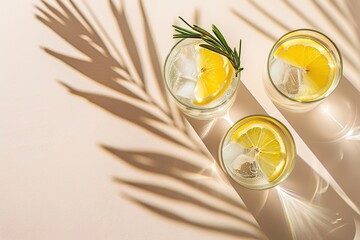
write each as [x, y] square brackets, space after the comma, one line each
[305, 199]
[328, 129]
[106, 65]
[312, 208]
[275, 18]
[331, 130]
[324, 129]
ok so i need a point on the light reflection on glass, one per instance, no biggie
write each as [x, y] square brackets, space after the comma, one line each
[334, 121]
[208, 172]
[306, 219]
[228, 119]
[205, 129]
[353, 134]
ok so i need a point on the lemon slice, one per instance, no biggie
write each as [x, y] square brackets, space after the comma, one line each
[215, 76]
[316, 63]
[264, 144]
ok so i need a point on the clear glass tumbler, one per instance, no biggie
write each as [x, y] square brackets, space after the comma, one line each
[258, 152]
[191, 71]
[303, 67]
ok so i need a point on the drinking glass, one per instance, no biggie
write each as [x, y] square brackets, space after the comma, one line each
[303, 67]
[181, 74]
[257, 152]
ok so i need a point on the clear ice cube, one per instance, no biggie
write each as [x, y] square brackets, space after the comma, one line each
[185, 62]
[287, 78]
[232, 151]
[292, 80]
[184, 87]
[246, 167]
[277, 70]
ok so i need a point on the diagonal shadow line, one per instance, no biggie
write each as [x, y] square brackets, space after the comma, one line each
[95, 49]
[316, 26]
[296, 11]
[347, 200]
[353, 8]
[90, 69]
[93, 31]
[120, 59]
[154, 58]
[333, 22]
[84, 38]
[54, 10]
[176, 217]
[164, 165]
[123, 25]
[181, 197]
[267, 14]
[76, 40]
[100, 72]
[133, 114]
[196, 17]
[253, 25]
[340, 10]
[99, 67]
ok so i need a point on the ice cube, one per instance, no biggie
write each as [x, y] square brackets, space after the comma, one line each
[185, 62]
[232, 151]
[245, 166]
[184, 87]
[277, 70]
[292, 80]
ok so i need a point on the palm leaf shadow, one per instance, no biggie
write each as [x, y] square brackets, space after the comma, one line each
[171, 167]
[134, 114]
[297, 11]
[179, 196]
[100, 65]
[129, 41]
[237, 232]
[178, 169]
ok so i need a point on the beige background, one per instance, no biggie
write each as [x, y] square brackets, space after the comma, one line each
[81, 159]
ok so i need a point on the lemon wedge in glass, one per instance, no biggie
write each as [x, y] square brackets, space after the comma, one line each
[265, 145]
[215, 75]
[316, 64]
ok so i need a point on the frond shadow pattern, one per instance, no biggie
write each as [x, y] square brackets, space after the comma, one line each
[106, 65]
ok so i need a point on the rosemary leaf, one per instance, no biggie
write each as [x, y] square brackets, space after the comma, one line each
[215, 43]
[221, 38]
[212, 48]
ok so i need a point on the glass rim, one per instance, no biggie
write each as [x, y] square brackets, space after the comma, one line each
[336, 49]
[270, 185]
[237, 79]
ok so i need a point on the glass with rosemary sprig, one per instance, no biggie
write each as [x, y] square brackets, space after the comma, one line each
[202, 72]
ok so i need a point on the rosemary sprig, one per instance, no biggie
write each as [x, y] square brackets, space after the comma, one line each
[215, 43]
